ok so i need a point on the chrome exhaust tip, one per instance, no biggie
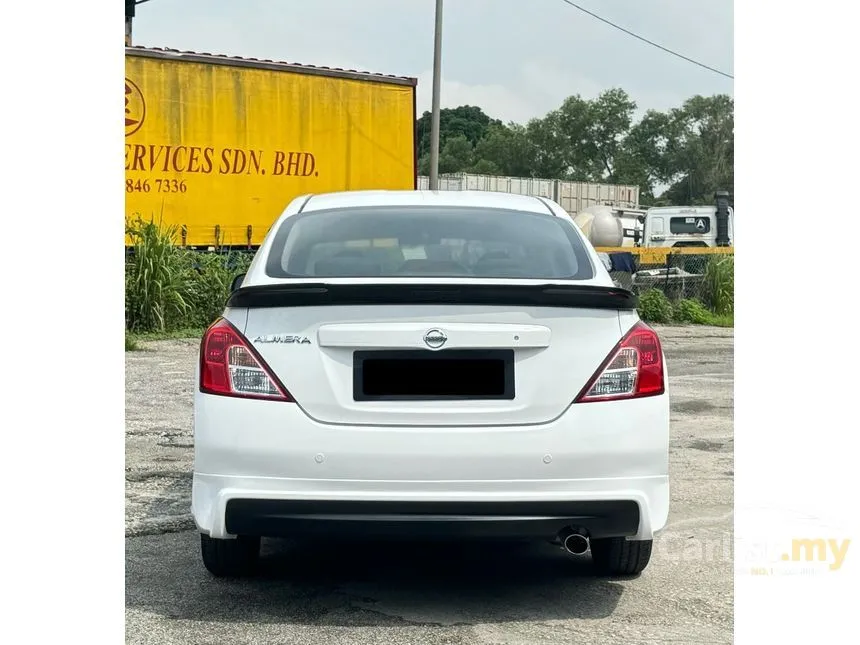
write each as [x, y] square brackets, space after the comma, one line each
[574, 541]
[576, 544]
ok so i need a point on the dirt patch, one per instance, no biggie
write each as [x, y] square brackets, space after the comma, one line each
[692, 406]
[708, 445]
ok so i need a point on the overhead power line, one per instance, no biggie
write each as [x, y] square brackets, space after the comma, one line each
[645, 40]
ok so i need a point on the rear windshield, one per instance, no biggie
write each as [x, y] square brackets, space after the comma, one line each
[427, 241]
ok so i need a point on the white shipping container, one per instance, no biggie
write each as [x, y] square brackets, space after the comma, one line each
[572, 196]
[575, 196]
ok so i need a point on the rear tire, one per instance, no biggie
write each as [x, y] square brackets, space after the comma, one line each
[621, 557]
[230, 558]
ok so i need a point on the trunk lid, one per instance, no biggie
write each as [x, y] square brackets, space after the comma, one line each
[433, 355]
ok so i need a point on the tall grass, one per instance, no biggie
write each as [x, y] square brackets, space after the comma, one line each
[207, 283]
[169, 288]
[154, 285]
[719, 286]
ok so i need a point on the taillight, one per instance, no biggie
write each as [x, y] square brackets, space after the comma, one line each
[633, 369]
[229, 366]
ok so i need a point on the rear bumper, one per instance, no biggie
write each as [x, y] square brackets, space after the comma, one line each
[480, 520]
[224, 506]
[257, 462]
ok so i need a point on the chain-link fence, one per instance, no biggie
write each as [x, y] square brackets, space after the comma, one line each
[706, 278]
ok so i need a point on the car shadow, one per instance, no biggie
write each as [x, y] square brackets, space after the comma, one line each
[351, 583]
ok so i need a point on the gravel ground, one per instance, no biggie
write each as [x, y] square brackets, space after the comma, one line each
[392, 594]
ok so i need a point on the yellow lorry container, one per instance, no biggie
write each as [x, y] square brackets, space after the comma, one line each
[218, 146]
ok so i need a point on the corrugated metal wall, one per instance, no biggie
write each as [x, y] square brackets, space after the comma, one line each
[572, 196]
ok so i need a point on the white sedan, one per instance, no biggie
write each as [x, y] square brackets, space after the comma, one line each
[452, 365]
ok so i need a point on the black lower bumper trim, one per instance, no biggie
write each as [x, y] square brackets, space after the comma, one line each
[482, 520]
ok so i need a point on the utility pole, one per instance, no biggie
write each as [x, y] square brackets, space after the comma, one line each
[129, 17]
[437, 83]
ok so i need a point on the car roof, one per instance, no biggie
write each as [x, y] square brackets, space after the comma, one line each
[444, 198]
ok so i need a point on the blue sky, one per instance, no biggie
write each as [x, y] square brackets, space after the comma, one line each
[516, 59]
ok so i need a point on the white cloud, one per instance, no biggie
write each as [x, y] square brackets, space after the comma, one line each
[516, 59]
[497, 101]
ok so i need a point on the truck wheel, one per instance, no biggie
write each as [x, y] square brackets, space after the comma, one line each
[621, 557]
[230, 558]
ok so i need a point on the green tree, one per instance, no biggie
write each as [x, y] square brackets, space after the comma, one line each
[468, 121]
[583, 139]
[610, 116]
[456, 155]
[689, 148]
[642, 158]
[549, 159]
[486, 167]
[505, 150]
[700, 151]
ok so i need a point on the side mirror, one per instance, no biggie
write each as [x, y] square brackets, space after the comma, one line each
[641, 219]
[237, 282]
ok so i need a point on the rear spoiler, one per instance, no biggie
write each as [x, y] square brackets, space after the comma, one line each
[508, 295]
